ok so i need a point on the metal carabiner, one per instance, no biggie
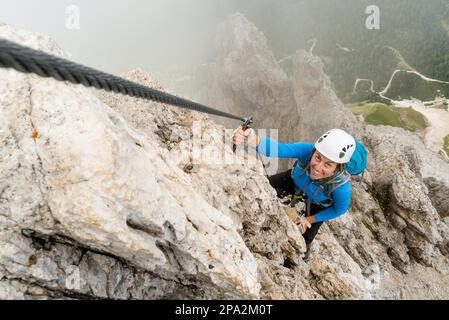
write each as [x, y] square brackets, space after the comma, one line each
[246, 124]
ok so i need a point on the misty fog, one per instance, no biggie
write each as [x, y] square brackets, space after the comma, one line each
[169, 38]
[160, 36]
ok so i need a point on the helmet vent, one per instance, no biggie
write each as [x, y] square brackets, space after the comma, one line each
[344, 150]
[323, 137]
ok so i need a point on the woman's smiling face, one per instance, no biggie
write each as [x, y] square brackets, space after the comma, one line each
[321, 167]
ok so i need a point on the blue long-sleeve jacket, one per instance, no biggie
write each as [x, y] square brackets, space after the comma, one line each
[341, 196]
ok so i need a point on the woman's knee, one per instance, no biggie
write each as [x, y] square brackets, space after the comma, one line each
[311, 233]
[282, 179]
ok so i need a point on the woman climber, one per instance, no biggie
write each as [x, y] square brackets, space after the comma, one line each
[318, 177]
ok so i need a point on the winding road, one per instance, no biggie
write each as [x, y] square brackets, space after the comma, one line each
[438, 118]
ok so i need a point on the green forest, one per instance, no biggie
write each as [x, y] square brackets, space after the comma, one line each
[413, 35]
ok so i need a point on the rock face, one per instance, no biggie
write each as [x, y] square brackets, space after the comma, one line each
[107, 196]
[315, 100]
[73, 168]
[411, 197]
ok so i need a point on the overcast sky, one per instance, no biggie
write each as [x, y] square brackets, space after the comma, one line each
[116, 36]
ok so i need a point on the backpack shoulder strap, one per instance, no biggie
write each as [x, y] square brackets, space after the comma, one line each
[336, 182]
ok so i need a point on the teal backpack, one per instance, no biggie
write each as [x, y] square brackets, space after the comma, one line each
[358, 161]
[355, 166]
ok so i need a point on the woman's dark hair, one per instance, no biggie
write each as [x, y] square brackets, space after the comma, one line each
[340, 166]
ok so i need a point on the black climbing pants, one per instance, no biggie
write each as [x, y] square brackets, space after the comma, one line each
[284, 185]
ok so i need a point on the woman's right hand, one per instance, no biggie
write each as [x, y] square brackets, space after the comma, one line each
[239, 136]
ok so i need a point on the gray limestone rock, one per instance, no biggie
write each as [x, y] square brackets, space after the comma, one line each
[108, 196]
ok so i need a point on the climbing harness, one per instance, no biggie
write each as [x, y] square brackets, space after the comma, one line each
[293, 199]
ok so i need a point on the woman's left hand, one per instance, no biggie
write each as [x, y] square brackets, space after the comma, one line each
[303, 224]
[239, 136]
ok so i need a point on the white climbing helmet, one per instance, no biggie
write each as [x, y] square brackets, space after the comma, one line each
[336, 145]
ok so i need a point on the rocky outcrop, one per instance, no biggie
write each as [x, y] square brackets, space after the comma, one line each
[246, 80]
[107, 196]
[400, 182]
[316, 102]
